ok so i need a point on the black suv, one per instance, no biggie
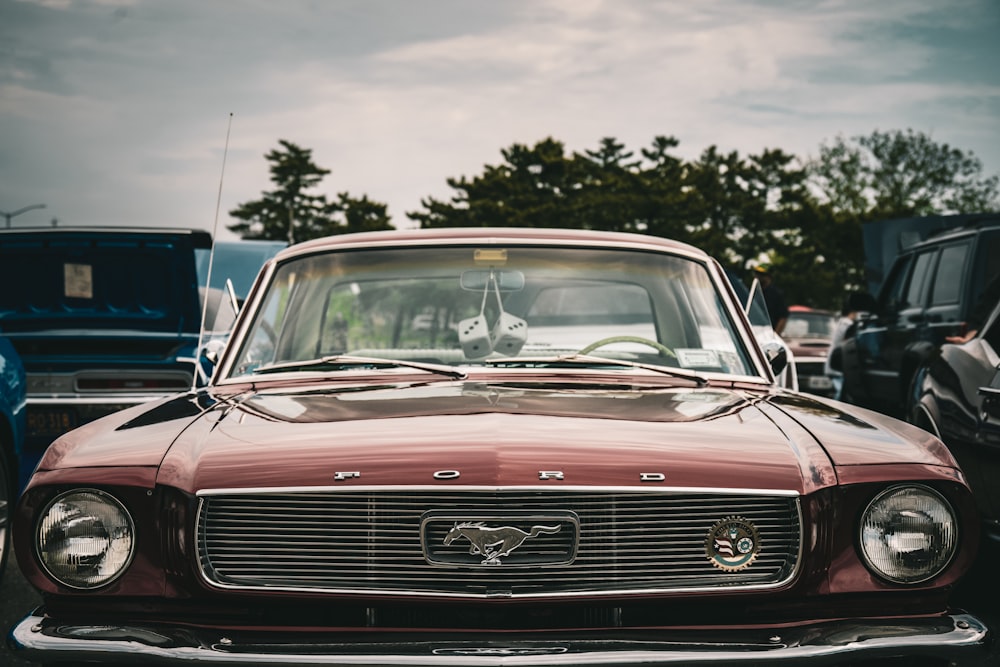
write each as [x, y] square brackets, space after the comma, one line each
[932, 290]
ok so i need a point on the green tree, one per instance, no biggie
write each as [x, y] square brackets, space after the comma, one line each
[882, 176]
[901, 174]
[738, 208]
[349, 214]
[291, 213]
[735, 208]
[804, 217]
[666, 209]
[542, 186]
[611, 195]
[530, 188]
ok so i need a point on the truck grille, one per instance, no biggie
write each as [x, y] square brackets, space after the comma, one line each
[382, 542]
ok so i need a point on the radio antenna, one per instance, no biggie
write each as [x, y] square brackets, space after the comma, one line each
[211, 258]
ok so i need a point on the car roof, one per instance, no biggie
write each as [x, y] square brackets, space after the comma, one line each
[200, 237]
[966, 229]
[885, 240]
[491, 236]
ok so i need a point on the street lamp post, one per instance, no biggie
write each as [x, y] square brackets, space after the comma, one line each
[19, 211]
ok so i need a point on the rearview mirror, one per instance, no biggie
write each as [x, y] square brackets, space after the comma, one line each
[505, 280]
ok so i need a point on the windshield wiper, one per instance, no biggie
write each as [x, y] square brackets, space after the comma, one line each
[340, 362]
[588, 360]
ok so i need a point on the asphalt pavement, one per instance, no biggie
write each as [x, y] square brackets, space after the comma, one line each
[17, 598]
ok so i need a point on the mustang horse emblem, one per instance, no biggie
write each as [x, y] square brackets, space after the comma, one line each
[493, 543]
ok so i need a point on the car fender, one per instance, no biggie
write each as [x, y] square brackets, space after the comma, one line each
[925, 411]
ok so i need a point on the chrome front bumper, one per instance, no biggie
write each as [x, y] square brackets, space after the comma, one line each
[959, 639]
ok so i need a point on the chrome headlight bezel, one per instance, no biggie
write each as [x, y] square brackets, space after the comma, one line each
[104, 532]
[932, 524]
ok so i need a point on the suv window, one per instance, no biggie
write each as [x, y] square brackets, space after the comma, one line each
[987, 269]
[948, 283]
[891, 297]
[940, 288]
[916, 295]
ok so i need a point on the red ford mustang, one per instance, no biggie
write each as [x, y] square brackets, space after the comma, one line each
[495, 447]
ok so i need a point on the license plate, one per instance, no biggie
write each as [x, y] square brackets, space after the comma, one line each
[50, 422]
[820, 382]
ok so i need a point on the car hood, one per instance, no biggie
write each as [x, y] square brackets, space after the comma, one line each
[490, 435]
[809, 346]
[99, 280]
[494, 435]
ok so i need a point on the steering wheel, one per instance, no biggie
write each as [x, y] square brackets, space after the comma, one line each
[659, 347]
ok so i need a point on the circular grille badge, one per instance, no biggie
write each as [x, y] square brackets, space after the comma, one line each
[732, 544]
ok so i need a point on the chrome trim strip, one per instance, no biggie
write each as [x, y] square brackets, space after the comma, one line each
[955, 638]
[579, 595]
[645, 490]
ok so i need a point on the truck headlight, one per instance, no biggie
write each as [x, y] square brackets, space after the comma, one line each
[85, 539]
[908, 534]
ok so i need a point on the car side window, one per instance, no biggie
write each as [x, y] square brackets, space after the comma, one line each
[891, 296]
[985, 271]
[916, 293]
[951, 268]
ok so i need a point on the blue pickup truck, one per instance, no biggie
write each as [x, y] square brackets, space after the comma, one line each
[102, 319]
[12, 420]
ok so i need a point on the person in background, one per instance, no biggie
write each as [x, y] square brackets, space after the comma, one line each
[848, 314]
[777, 308]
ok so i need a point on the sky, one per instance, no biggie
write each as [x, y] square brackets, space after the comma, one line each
[158, 113]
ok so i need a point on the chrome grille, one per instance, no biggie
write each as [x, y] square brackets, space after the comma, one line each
[370, 541]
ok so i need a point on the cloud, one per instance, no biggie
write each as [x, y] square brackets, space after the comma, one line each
[116, 112]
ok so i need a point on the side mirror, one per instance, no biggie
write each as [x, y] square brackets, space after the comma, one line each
[503, 280]
[209, 357]
[211, 351]
[777, 357]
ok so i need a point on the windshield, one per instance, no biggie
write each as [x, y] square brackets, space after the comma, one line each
[813, 324]
[466, 306]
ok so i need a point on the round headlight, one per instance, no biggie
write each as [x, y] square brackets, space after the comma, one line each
[908, 534]
[85, 539]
